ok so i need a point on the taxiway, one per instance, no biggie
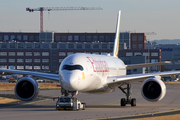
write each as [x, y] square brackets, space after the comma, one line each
[98, 106]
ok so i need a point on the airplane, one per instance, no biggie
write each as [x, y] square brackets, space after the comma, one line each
[92, 73]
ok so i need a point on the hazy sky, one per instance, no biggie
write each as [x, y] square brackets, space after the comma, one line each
[159, 16]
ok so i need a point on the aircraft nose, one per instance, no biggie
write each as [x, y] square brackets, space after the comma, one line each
[70, 82]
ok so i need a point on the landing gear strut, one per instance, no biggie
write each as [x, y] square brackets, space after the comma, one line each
[128, 99]
[66, 92]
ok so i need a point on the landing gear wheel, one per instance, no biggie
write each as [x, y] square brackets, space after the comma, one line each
[123, 102]
[84, 106]
[133, 102]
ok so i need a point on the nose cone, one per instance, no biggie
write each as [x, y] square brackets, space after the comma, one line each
[70, 81]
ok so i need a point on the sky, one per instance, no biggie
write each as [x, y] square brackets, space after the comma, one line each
[159, 16]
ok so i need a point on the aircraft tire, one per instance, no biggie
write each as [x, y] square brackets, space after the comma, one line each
[133, 102]
[123, 102]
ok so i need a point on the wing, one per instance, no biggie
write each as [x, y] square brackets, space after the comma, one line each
[117, 80]
[37, 74]
[134, 66]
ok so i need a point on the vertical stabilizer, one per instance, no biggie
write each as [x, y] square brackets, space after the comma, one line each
[116, 41]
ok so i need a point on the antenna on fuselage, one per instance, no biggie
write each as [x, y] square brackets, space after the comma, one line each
[116, 41]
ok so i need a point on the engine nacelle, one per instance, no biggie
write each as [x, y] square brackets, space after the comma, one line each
[26, 88]
[153, 89]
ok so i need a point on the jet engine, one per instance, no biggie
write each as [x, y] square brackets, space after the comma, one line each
[153, 89]
[26, 88]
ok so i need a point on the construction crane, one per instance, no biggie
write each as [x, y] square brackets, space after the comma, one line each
[41, 9]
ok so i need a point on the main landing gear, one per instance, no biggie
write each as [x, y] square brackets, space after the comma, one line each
[128, 99]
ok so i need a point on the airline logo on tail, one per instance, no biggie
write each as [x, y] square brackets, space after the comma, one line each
[116, 41]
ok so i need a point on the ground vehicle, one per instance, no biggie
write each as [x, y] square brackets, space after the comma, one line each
[69, 103]
[12, 80]
[39, 80]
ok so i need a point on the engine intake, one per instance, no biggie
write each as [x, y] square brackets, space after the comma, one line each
[26, 88]
[153, 89]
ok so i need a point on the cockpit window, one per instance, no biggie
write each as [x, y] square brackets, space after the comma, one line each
[72, 67]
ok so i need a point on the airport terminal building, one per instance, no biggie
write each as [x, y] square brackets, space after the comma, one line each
[45, 51]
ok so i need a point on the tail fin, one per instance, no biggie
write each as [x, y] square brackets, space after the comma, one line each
[116, 41]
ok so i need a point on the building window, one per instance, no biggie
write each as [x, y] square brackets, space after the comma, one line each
[28, 67]
[126, 36]
[3, 59]
[45, 60]
[62, 46]
[76, 37]
[101, 38]
[62, 53]
[87, 46]
[111, 46]
[154, 53]
[108, 38]
[28, 45]
[140, 46]
[70, 53]
[37, 60]
[95, 38]
[20, 67]
[3, 53]
[20, 60]
[79, 46]
[12, 53]
[12, 37]
[82, 38]
[18, 37]
[37, 45]
[140, 37]
[1, 38]
[95, 46]
[60, 60]
[63, 38]
[45, 67]
[71, 46]
[129, 54]
[3, 45]
[57, 37]
[37, 53]
[20, 53]
[70, 37]
[46, 46]
[20, 45]
[104, 46]
[137, 53]
[28, 60]
[37, 67]
[3, 66]
[54, 45]
[11, 67]
[134, 37]
[112, 38]
[12, 45]
[36, 37]
[89, 38]
[25, 37]
[31, 37]
[133, 45]
[6, 37]
[11, 60]
[145, 53]
[45, 53]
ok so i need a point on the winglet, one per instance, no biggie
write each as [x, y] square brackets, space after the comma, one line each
[116, 41]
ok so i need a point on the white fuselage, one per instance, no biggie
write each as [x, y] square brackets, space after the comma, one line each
[89, 72]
